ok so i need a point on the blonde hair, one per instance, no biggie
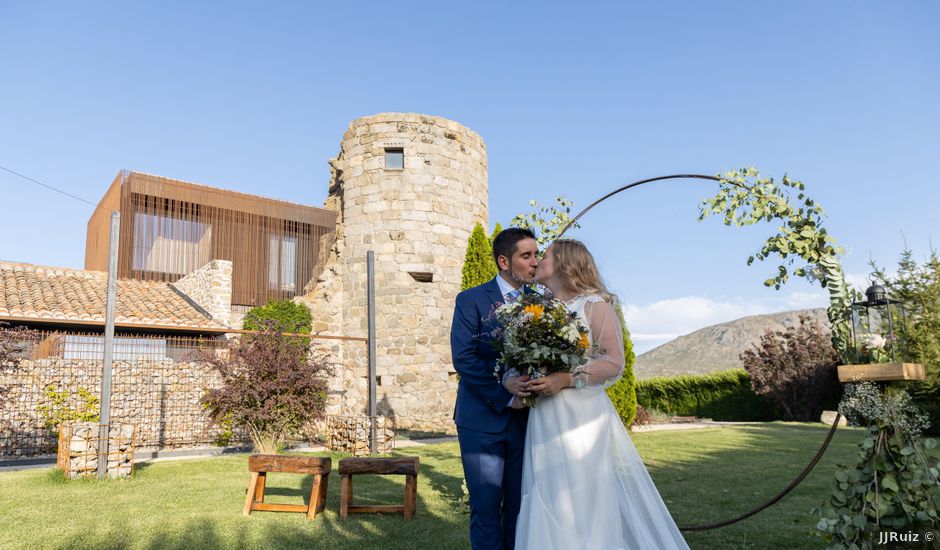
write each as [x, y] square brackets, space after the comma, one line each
[577, 269]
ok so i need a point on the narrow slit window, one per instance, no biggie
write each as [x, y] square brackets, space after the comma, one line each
[394, 158]
[422, 276]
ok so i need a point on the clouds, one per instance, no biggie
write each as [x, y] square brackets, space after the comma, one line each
[656, 323]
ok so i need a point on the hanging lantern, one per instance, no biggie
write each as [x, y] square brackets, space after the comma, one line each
[875, 344]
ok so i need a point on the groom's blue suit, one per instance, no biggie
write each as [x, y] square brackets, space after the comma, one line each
[491, 434]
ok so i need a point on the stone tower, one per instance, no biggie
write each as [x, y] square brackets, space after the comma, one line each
[410, 187]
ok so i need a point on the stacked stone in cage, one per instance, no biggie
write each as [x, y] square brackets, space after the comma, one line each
[79, 447]
[351, 434]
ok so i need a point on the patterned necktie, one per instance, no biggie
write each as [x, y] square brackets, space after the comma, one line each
[513, 295]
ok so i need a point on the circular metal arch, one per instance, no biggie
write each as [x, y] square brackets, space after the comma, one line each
[815, 460]
[631, 186]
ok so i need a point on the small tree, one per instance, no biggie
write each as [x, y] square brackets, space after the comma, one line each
[478, 267]
[496, 231]
[271, 387]
[795, 369]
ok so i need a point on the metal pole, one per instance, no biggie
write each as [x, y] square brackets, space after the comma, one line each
[370, 283]
[110, 306]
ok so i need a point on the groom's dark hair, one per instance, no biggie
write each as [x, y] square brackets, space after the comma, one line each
[505, 243]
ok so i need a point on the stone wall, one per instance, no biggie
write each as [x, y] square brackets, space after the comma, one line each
[210, 288]
[160, 397]
[417, 221]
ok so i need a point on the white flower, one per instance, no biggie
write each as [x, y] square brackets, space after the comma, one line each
[570, 333]
[873, 341]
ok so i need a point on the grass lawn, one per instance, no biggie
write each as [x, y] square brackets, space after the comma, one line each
[704, 475]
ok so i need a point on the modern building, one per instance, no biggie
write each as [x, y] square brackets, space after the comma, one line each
[170, 228]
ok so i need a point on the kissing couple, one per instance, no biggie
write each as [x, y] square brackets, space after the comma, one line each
[565, 474]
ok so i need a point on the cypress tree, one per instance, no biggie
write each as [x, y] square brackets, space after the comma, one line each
[623, 393]
[496, 231]
[478, 267]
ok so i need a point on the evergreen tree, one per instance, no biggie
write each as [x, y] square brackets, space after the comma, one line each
[917, 286]
[478, 267]
[623, 393]
[496, 231]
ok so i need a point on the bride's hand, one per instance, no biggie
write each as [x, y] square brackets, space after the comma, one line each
[551, 384]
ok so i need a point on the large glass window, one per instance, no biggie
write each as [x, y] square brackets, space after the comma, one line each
[91, 348]
[170, 245]
[282, 262]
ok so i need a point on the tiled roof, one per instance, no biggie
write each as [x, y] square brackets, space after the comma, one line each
[61, 294]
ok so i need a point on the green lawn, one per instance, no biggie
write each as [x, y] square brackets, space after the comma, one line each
[704, 476]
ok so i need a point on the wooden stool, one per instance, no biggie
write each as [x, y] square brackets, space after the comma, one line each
[260, 465]
[406, 466]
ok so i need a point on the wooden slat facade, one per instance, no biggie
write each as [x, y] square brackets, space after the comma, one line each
[170, 228]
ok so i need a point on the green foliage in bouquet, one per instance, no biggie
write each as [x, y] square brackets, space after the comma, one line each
[894, 486]
[478, 266]
[539, 336]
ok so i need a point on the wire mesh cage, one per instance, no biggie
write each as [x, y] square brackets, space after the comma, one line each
[351, 434]
[79, 446]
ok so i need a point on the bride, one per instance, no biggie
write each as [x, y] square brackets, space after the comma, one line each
[583, 483]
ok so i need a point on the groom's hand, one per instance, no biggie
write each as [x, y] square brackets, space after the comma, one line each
[551, 384]
[518, 386]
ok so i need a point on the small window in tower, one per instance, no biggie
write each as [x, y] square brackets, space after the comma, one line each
[394, 158]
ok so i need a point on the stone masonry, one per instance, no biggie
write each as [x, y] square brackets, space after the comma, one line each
[209, 288]
[417, 220]
[160, 398]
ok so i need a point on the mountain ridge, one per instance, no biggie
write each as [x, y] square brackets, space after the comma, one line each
[717, 347]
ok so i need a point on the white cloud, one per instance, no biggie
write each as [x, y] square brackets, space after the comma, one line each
[654, 324]
[857, 280]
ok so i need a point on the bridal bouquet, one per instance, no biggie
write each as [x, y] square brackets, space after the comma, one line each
[540, 336]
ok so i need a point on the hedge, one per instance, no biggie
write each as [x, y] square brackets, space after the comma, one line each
[724, 395]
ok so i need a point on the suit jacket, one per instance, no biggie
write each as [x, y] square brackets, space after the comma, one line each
[482, 401]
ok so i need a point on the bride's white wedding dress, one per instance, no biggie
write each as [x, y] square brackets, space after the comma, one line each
[583, 483]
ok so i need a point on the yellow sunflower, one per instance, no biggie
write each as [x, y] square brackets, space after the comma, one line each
[583, 343]
[536, 310]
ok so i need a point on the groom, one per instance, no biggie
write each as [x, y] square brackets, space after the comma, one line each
[490, 432]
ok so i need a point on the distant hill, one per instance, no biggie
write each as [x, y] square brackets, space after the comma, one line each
[716, 347]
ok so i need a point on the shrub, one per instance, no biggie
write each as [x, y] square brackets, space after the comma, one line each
[478, 266]
[281, 315]
[725, 395]
[795, 369]
[643, 417]
[271, 387]
[623, 393]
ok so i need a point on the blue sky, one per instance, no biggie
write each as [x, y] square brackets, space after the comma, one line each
[572, 99]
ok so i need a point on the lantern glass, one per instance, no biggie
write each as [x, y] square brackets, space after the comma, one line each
[875, 325]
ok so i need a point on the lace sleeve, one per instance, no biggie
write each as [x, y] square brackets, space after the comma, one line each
[606, 359]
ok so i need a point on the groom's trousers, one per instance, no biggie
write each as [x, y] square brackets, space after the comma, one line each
[492, 466]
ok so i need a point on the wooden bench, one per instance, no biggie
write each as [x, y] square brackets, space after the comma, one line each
[406, 466]
[261, 465]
